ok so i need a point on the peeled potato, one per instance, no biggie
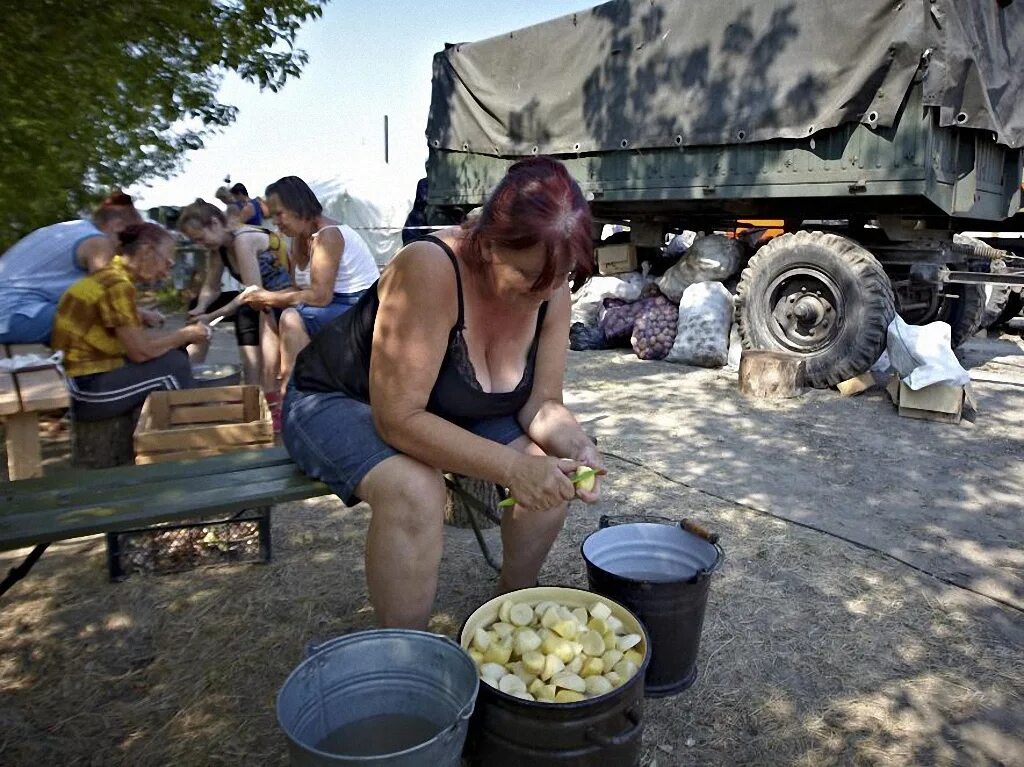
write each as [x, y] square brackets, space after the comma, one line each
[568, 696]
[568, 681]
[600, 610]
[598, 685]
[510, 684]
[521, 614]
[592, 644]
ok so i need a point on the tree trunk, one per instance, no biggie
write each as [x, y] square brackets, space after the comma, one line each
[457, 512]
[770, 374]
[103, 444]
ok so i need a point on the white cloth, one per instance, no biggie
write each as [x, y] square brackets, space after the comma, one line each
[356, 269]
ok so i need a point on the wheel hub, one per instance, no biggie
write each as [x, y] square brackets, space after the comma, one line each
[805, 305]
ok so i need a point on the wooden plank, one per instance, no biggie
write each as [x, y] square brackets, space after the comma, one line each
[209, 414]
[24, 456]
[147, 458]
[159, 411]
[81, 482]
[213, 394]
[127, 482]
[162, 505]
[9, 402]
[204, 436]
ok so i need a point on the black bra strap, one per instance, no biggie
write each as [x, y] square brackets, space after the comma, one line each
[460, 323]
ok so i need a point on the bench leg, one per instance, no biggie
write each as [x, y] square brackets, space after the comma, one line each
[24, 457]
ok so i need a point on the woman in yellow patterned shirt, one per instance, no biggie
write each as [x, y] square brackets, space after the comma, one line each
[111, 361]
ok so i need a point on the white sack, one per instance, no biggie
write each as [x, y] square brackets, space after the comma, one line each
[702, 332]
[923, 354]
[715, 257]
[586, 303]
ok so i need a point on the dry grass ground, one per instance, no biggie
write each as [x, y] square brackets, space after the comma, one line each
[816, 650]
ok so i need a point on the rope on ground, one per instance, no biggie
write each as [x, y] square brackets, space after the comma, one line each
[808, 526]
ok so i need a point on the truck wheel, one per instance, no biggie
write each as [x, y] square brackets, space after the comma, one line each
[819, 295]
[964, 313]
[1014, 304]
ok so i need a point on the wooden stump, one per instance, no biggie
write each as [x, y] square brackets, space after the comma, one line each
[771, 374]
[457, 511]
[103, 444]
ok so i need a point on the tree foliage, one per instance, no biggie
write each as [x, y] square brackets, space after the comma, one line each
[96, 95]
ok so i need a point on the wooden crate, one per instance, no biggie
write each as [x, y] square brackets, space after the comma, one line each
[194, 423]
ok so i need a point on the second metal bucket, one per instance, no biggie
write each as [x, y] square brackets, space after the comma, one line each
[661, 572]
[333, 705]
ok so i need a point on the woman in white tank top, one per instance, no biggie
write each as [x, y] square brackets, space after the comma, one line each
[332, 267]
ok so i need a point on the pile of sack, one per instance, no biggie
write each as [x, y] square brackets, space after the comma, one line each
[683, 316]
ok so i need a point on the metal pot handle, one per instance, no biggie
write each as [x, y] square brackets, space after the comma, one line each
[607, 520]
[632, 716]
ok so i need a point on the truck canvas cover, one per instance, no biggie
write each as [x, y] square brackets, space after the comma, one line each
[636, 75]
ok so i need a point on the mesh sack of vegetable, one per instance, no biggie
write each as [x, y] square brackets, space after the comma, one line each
[618, 316]
[655, 328]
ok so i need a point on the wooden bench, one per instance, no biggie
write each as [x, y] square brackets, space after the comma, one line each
[23, 395]
[37, 512]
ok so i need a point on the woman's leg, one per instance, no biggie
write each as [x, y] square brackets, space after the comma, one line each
[270, 351]
[293, 340]
[403, 549]
[526, 536]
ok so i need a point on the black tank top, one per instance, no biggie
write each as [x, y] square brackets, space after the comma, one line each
[338, 359]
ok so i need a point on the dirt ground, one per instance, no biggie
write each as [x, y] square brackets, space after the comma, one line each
[869, 610]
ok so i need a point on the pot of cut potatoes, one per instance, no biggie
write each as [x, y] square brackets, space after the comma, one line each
[562, 680]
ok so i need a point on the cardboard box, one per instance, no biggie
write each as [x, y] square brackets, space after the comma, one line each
[938, 402]
[193, 423]
[616, 259]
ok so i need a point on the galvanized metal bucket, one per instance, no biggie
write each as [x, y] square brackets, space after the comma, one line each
[661, 572]
[370, 674]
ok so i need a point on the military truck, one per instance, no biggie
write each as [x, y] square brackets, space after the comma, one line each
[875, 129]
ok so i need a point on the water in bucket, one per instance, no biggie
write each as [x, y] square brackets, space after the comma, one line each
[390, 697]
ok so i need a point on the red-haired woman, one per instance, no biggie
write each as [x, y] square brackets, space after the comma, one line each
[467, 332]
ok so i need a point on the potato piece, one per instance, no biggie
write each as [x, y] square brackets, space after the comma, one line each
[523, 695]
[552, 665]
[591, 667]
[550, 618]
[555, 645]
[597, 625]
[499, 652]
[510, 684]
[611, 641]
[633, 657]
[502, 630]
[625, 669]
[533, 662]
[476, 655]
[546, 693]
[600, 610]
[628, 641]
[526, 640]
[569, 681]
[504, 610]
[492, 682]
[615, 678]
[592, 644]
[534, 687]
[614, 623]
[575, 665]
[543, 606]
[598, 685]
[493, 671]
[567, 629]
[612, 657]
[568, 696]
[521, 614]
[481, 640]
[580, 614]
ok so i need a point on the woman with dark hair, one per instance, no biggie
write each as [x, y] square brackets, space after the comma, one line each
[331, 266]
[461, 348]
[250, 209]
[250, 255]
[112, 364]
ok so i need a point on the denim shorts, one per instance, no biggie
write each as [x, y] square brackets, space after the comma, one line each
[332, 438]
[316, 318]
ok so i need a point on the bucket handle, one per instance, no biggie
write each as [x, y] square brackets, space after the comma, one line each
[689, 525]
[632, 716]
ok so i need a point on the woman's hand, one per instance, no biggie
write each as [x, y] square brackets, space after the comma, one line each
[539, 483]
[258, 299]
[152, 318]
[203, 317]
[589, 456]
